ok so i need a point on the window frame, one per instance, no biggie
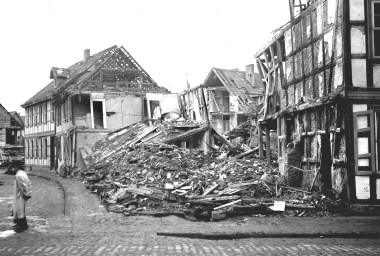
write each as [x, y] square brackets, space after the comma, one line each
[371, 131]
[372, 28]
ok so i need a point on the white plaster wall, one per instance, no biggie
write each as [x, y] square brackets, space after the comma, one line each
[359, 72]
[356, 9]
[358, 40]
[376, 75]
[127, 111]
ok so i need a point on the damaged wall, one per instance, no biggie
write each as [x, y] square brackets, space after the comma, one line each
[303, 73]
[123, 110]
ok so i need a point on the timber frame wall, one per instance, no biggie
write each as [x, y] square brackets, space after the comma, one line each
[302, 71]
[322, 94]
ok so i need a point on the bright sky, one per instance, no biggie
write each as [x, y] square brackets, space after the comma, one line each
[168, 38]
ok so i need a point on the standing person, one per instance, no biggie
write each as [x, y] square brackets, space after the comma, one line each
[22, 190]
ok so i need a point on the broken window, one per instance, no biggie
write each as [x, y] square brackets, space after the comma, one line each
[375, 28]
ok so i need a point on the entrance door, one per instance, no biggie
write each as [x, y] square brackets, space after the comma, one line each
[366, 148]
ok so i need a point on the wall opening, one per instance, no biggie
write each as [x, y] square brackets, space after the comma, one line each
[97, 108]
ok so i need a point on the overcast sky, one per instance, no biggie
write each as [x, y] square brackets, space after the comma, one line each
[168, 38]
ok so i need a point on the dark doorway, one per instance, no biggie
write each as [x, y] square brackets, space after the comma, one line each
[97, 108]
[326, 162]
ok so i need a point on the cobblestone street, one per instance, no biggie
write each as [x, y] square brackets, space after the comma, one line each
[197, 247]
[87, 228]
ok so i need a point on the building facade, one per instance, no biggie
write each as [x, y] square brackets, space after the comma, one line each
[230, 96]
[322, 94]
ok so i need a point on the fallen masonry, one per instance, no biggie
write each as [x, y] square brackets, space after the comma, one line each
[156, 179]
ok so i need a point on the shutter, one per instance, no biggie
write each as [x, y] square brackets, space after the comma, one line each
[26, 118]
[34, 148]
[43, 149]
[364, 143]
[26, 148]
[30, 148]
[38, 115]
[48, 113]
[48, 146]
[31, 116]
[40, 147]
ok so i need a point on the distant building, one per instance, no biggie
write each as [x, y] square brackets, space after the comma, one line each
[230, 96]
[83, 103]
[11, 127]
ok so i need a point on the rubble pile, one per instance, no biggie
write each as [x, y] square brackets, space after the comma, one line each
[158, 179]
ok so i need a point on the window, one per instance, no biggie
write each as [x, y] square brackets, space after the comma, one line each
[30, 144]
[64, 105]
[34, 148]
[44, 119]
[43, 147]
[31, 116]
[374, 27]
[364, 143]
[35, 115]
[59, 115]
[40, 114]
[52, 117]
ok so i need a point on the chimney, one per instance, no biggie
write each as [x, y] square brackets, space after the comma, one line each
[86, 54]
[249, 74]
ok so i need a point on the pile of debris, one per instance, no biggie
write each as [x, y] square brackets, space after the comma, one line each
[159, 179]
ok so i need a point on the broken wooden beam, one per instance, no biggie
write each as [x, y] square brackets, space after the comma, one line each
[226, 205]
[208, 191]
[246, 153]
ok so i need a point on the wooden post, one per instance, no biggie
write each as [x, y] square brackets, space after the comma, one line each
[260, 141]
[205, 110]
[279, 149]
[267, 140]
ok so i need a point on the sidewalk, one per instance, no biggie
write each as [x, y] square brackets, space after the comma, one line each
[79, 200]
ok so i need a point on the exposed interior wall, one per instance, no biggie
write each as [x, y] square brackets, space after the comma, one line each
[123, 110]
[86, 139]
[82, 110]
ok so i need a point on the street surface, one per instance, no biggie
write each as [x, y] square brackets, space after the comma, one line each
[68, 220]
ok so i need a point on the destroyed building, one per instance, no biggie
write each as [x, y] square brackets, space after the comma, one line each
[84, 102]
[321, 78]
[11, 135]
[230, 97]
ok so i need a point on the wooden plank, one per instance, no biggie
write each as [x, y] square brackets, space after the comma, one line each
[226, 205]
